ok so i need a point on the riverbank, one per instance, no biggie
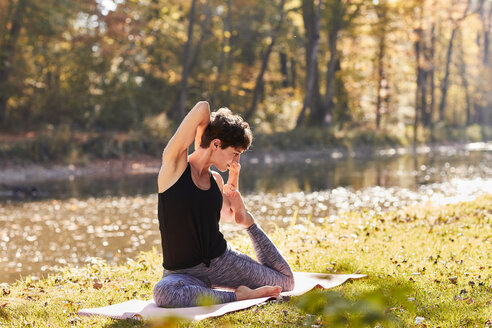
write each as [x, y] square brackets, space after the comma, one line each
[55, 154]
[18, 172]
[427, 265]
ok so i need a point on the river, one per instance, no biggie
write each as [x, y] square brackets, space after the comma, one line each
[76, 219]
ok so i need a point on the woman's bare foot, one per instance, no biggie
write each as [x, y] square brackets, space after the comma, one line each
[245, 293]
[242, 216]
[233, 179]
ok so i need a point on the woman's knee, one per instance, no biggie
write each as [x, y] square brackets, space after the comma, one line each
[288, 283]
[162, 293]
[175, 291]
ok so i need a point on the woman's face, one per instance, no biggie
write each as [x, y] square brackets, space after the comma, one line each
[225, 157]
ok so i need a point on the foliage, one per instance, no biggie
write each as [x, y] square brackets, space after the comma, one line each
[64, 146]
[368, 309]
[111, 66]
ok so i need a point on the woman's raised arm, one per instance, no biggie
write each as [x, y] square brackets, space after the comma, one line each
[196, 120]
[174, 156]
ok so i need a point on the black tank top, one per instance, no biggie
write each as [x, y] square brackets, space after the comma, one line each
[189, 223]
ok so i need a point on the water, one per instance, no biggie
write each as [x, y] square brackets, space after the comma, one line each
[115, 218]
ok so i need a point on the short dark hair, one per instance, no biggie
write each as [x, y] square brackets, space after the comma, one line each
[229, 128]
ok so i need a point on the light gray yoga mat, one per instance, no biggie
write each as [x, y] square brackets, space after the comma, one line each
[138, 309]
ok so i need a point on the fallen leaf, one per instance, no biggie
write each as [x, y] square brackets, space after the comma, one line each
[97, 284]
[75, 321]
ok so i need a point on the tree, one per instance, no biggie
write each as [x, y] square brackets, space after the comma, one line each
[464, 80]
[312, 62]
[486, 19]
[418, 34]
[340, 16]
[382, 87]
[483, 42]
[264, 63]
[7, 53]
[225, 50]
[186, 64]
[455, 22]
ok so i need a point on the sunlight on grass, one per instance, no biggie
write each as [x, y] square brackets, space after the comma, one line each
[427, 265]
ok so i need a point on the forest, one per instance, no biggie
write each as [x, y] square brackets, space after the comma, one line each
[80, 69]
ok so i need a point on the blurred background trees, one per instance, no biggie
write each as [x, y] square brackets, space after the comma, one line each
[92, 66]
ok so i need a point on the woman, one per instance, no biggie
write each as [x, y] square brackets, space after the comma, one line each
[192, 199]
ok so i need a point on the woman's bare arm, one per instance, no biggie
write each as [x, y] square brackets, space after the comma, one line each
[196, 120]
[226, 213]
[174, 156]
[198, 136]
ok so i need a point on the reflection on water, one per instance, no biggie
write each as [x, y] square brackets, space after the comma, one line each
[358, 173]
[308, 176]
[115, 219]
[39, 236]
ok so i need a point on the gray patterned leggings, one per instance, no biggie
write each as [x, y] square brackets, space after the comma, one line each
[183, 288]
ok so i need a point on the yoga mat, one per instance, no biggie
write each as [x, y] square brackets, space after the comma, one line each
[138, 309]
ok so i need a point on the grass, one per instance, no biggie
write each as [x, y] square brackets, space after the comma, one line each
[428, 261]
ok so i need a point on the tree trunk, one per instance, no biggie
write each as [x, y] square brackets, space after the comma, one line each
[226, 37]
[423, 87]
[418, 92]
[293, 73]
[381, 76]
[231, 43]
[432, 81]
[486, 19]
[283, 69]
[486, 43]
[325, 114]
[186, 56]
[264, 64]
[309, 20]
[204, 33]
[480, 107]
[464, 80]
[312, 67]
[425, 67]
[7, 52]
[445, 81]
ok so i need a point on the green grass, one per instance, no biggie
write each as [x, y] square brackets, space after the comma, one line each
[426, 261]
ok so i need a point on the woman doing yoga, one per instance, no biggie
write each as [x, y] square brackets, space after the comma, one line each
[192, 200]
